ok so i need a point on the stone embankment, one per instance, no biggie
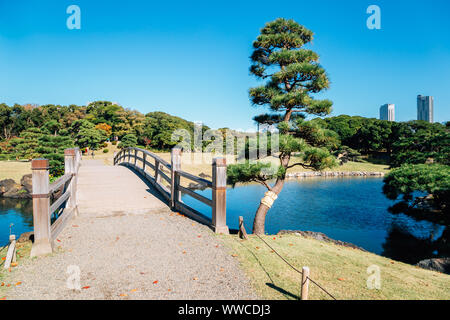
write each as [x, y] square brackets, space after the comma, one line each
[308, 174]
[10, 189]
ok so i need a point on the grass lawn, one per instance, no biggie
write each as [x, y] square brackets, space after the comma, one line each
[14, 169]
[340, 270]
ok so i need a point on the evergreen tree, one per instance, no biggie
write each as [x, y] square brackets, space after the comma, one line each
[292, 74]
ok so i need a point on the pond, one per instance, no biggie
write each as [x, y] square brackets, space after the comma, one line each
[16, 214]
[351, 209]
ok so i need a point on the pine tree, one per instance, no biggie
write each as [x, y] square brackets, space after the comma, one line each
[291, 74]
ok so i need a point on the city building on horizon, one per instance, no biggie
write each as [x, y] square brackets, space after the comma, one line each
[425, 108]
[387, 112]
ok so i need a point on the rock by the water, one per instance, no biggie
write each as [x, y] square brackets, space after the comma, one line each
[320, 236]
[10, 189]
[26, 182]
[6, 185]
[436, 264]
[26, 236]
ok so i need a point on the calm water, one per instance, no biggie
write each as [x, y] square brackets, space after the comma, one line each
[348, 209]
[16, 212]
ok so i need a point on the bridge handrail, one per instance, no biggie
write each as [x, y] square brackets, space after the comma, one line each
[45, 232]
[129, 157]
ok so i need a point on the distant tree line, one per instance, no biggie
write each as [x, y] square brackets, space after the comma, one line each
[31, 131]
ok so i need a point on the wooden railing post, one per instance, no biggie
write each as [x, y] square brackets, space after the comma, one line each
[175, 160]
[144, 158]
[157, 175]
[41, 206]
[70, 167]
[135, 156]
[219, 195]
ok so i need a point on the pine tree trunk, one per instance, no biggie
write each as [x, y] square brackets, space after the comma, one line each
[260, 217]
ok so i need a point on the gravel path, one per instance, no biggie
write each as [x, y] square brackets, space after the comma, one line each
[156, 254]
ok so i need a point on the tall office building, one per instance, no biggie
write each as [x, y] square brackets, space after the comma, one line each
[387, 112]
[425, 105]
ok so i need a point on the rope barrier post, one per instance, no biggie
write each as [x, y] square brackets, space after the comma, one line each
[305, 283]
[175, 160]
[41, 207]
[242, 231]
[219, 195]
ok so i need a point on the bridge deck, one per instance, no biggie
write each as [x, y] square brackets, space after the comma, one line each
[129, 245]
[105, 190]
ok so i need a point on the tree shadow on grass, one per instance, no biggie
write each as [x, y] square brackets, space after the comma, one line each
[271, 284]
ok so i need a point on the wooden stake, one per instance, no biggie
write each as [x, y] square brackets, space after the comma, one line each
[242, 231]
[305, 283]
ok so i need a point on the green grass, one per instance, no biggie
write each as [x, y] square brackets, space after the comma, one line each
[14, 169]
[340, 270]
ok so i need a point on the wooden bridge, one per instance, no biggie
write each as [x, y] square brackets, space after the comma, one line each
[96, 189]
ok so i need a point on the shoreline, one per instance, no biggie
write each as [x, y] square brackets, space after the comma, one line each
[308, 174]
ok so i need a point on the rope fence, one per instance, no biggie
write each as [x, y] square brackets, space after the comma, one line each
[305, 275]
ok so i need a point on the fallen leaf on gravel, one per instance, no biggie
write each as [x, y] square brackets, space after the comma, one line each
[14, 264]
[75, 226]
[184, 252]
[274, 238]
[217, 246]
[195, 278]
[193, 224]
[222, 269]
[142, 272]
[58, 240]
[3, 258]
[199, 236]
[155, 282]
[86, 287]
[169, 290]
[257, 248]
[341, 279]
[124, 295]
[2, 284]
[234, 255]
[133, 290]
[290, 244]
[117, 238]
[8, 285]
[19, 283]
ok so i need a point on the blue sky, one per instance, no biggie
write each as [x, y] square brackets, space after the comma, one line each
[191, 58]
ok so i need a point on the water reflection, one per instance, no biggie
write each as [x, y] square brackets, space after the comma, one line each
[18, 212]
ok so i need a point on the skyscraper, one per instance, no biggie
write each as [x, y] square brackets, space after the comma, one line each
[387, 112]
[425, 105]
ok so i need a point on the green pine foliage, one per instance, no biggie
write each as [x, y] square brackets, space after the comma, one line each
[409, 179]
[129, 141]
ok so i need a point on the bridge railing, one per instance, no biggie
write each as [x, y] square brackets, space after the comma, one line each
[166, 178]
[57, 200]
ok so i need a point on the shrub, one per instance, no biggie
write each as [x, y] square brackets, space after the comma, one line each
[105, 150]
[114, 143]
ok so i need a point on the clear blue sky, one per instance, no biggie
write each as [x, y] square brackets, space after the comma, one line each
[190, 58]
